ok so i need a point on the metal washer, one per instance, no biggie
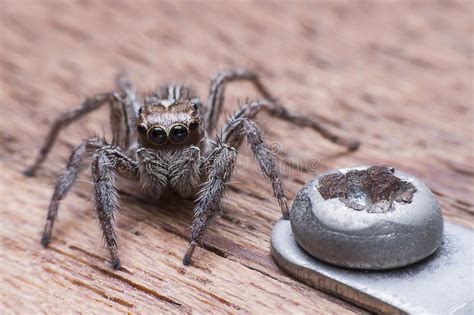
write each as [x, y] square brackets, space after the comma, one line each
[334, 233]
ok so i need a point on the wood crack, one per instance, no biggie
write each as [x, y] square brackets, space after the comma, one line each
[82, 284]
[117, 276]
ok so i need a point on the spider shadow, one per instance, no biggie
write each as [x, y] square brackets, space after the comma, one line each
[169, 211]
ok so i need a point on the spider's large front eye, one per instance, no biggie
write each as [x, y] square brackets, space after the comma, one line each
[178, 133]
[157, 135]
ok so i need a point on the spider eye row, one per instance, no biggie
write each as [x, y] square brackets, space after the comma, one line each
[178, 133]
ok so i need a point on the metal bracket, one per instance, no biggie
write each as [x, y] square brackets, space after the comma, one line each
[441, 284]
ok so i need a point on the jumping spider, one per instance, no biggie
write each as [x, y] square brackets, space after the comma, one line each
[163, 143]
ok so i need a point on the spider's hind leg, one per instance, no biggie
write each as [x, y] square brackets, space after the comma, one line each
[282, 112]
[124, 112]
[124, 106]
[217, 88]
[252, 109]
[88, 105]
[216, 100]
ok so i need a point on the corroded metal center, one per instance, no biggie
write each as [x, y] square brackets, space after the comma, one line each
[374, 189]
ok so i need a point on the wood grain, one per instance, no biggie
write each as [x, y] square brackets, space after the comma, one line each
[396, 74]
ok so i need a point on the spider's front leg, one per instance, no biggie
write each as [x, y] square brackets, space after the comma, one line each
[153, 172]
[65, 182]
[219, 166]
[241, 126]
[184, 171]
[107, 162]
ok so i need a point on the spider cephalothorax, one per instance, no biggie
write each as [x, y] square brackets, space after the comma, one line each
[169, 122]
[162, 143]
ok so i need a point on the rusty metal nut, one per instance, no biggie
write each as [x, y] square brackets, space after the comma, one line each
[338, 234]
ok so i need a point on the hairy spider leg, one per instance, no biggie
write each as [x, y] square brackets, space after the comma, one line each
[108, 162]
[123, 111]
[65, 182]
[216, 99]
[217, 89]
[220, 164]
[121, 163]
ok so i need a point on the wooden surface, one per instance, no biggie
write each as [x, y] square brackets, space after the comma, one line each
[396, 74]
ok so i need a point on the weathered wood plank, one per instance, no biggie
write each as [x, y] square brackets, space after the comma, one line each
[396, 74]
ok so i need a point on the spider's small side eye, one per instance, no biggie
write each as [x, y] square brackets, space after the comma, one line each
[193, 125]
[140, 110]
[141, 129]
[195, 106]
